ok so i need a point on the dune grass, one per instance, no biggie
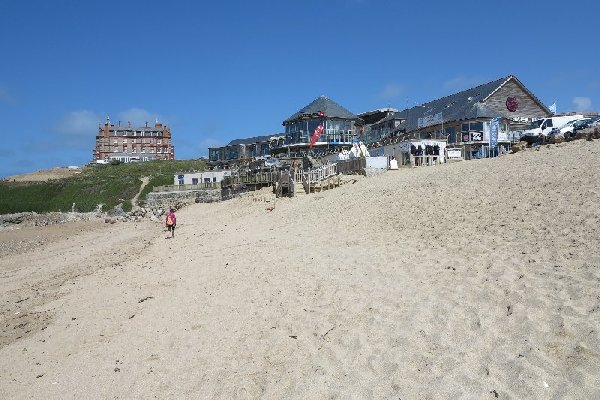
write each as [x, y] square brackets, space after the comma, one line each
[108, 185]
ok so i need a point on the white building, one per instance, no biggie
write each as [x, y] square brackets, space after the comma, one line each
[196, 178]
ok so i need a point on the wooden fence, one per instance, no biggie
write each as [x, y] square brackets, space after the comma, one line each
[260, 179]
[180, 188]
[309, 177]
[354, 165]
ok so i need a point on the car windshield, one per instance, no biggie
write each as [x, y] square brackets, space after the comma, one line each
[536, 124]
[581, 121]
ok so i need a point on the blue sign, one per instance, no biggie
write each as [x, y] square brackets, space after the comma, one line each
[494, 128]
[429, 120]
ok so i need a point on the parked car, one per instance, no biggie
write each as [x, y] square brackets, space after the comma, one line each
[594, 122]
[581, 124]
[545, 125]
[569, 129]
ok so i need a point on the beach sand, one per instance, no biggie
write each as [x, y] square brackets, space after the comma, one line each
[476, 279]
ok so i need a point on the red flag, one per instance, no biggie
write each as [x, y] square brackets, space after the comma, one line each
[316, 135]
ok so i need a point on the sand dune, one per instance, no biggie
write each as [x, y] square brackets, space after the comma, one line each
[474, 280]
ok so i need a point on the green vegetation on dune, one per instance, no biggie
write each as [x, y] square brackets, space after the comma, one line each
[108, 185]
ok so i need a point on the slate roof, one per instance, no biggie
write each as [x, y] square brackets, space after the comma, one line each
[468, 104]
[326, 105]
[251, 140]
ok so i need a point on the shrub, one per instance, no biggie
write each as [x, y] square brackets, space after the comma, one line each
[105, 184]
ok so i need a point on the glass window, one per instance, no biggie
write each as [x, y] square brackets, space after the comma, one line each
[450, 132]
[465, 127]
[476, 126]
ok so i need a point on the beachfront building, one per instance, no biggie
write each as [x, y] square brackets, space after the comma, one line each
[241, 150]
[464, 120]
[328, 123]
[380, 124]
[198, 178]
[128, 144]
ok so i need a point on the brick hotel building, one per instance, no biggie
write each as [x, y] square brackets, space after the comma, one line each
[128, 144]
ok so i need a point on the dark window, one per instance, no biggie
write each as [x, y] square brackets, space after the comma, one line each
[476, 126]
[194, 181]
[451, 133]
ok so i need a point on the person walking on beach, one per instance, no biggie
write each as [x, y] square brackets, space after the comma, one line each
[171, 222]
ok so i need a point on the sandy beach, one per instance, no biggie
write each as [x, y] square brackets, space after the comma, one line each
[476, 279]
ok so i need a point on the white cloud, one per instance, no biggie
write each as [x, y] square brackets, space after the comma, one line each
[76, 129]
[137, 117]
[582, 103]
[79, 123]
[390, 91]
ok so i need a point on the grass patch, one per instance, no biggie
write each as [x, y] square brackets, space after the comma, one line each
[108, 185]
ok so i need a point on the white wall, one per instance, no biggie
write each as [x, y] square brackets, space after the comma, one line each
[213, 176]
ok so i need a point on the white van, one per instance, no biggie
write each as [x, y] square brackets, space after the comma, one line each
[545, 125]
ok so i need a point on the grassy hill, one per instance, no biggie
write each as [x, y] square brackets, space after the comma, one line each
[97, 184]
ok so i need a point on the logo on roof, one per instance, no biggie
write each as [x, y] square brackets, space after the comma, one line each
[512, 104]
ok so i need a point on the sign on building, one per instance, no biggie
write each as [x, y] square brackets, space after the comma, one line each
[430, 120]
[494, 129]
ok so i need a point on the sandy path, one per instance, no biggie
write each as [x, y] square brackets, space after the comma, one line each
[459, 281]
[145, 180]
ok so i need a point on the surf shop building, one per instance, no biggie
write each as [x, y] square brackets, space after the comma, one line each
[497, 110]
[323, 126]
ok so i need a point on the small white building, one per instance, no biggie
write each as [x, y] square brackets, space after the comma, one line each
[196, 178]
[402, 150]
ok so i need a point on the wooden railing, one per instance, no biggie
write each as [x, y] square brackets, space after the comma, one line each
[354, 165]
[180, 188]
[262, 178]
[319, 173]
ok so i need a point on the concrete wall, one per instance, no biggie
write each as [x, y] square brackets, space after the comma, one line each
[164, 200]
[377, 162]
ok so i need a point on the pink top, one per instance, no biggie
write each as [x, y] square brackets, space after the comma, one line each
[173, 218]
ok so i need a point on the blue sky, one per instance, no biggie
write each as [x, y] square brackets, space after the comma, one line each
[220, 70]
